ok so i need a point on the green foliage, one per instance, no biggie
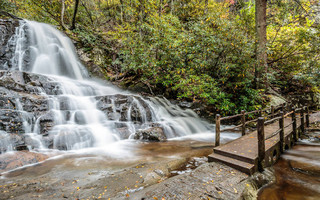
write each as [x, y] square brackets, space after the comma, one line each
[205, 59]
[190, 50]
[8, 6]
[293, 49]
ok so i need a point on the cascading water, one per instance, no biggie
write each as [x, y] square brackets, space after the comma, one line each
[79, 108]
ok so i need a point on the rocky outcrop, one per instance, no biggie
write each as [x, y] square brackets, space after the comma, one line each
[125, 107]
[26, 103]
[7, 30]
[154, 134]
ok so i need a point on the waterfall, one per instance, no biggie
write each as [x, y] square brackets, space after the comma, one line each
[86, 113]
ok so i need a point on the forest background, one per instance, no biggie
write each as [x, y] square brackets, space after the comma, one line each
[200, 51]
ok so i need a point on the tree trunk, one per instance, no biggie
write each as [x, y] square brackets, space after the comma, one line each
[172, 7]
[206, 7]
[75, 14]
[160, 8]
[88, 13]
[62, 15]
[121, 11]
[261, 67]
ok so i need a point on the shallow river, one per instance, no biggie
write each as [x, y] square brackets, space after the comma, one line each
[297, 173]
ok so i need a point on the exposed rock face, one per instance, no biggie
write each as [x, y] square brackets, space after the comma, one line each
[7, 30]
[25, 104]
[118, 106]
[154, 134]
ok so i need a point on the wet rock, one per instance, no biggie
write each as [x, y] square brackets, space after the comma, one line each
[29, 83]
[18, 159]
[123, 133]
[7, 30]
[9, 142]
[72, 139]
[125, 108]
[139, 88]
[155, 134]
[11, 121]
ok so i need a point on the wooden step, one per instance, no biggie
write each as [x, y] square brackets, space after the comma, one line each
[235, 156]
[245, 167]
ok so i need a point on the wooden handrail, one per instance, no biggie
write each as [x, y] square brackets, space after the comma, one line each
[272, 120]
[254, 120]
[273, 134]
[230, 117]
[290, 124]
[289, 113]
[279, 113]
[230, 129]
[273, 112]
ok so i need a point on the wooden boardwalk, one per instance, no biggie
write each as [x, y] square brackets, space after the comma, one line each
[242, 153]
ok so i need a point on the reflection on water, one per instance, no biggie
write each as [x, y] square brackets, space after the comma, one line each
[297, 174]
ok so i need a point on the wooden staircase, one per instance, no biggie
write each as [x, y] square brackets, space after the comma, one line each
[240, 163]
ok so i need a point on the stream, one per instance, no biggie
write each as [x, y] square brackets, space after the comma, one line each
[297, 173]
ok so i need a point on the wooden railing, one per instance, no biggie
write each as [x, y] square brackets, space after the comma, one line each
[270, 113]
[273, 114]
[305, 120]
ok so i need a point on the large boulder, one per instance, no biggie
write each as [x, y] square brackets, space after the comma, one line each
[154, 134]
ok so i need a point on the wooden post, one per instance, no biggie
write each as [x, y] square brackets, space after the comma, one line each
[294, 125]
[217, 130]
[281, 125]
[261, 143]
[302, 120]
[260, 112]
[283, 107]
[243, 122]
[272, 112]
[307, 117]
[288, 107]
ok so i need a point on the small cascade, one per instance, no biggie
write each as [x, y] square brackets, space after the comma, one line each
[6, 143]
[28, 128]
[53, 52]
[78, 113]
[20, 42]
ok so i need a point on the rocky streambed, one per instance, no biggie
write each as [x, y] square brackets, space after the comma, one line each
[170, 170]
